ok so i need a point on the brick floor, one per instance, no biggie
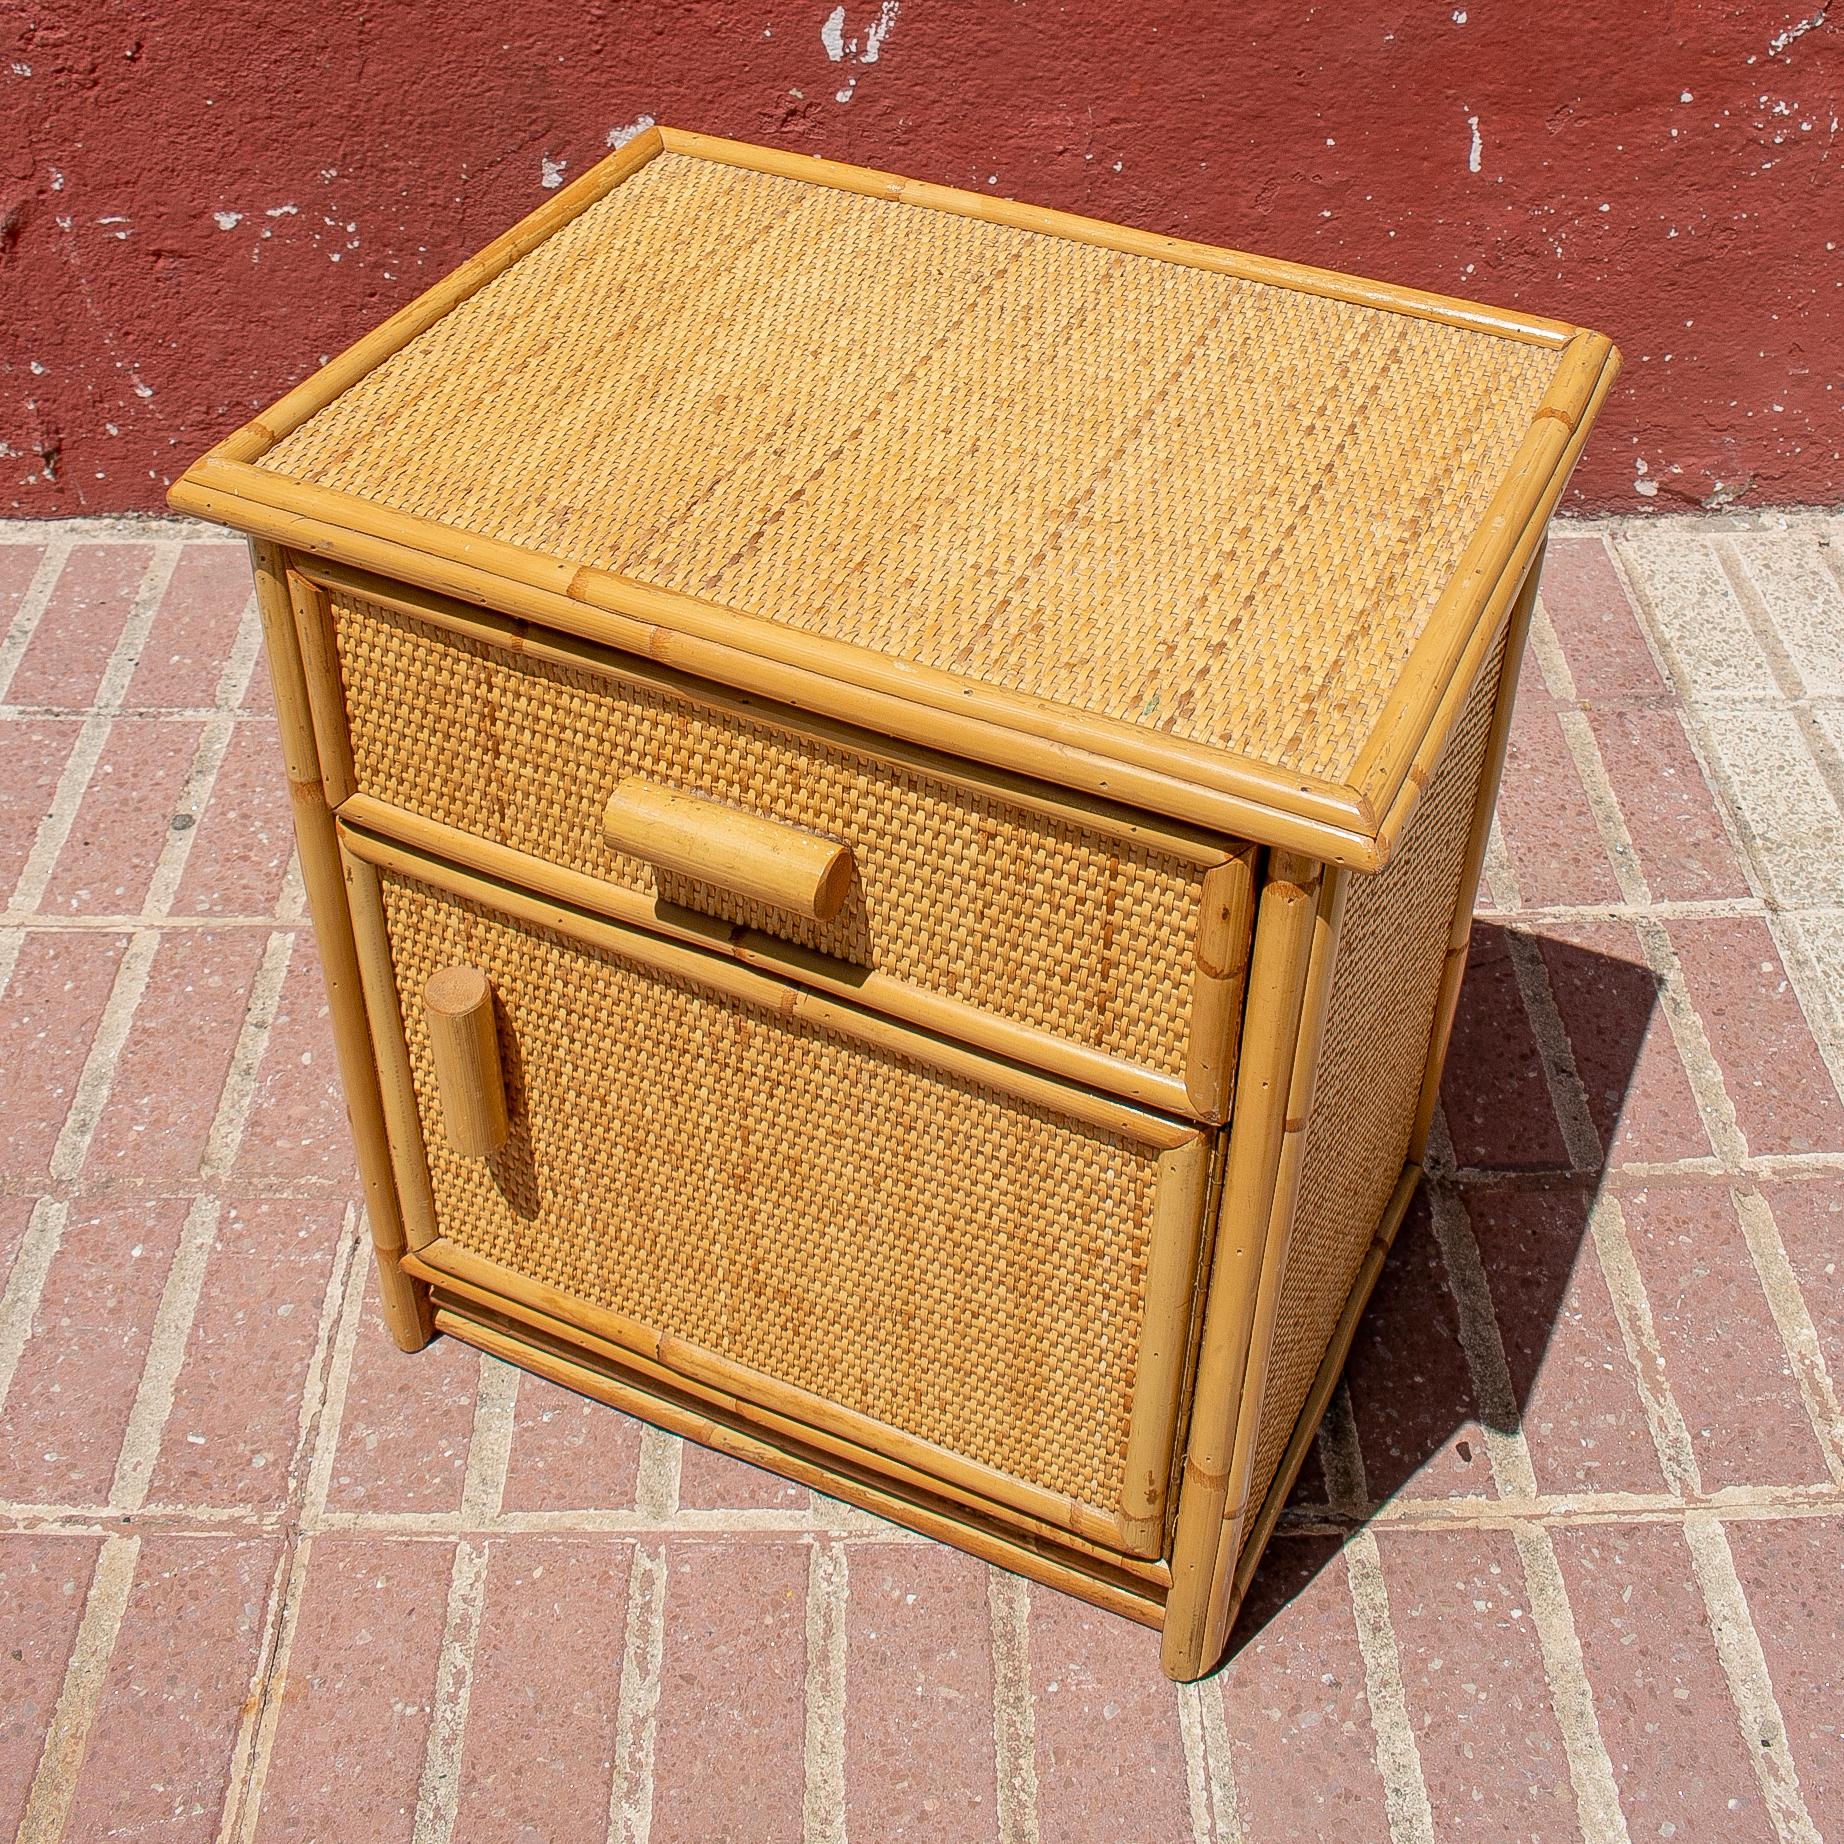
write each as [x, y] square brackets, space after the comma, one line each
[1568, 1558]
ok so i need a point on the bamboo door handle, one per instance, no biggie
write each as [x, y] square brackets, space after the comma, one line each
[464, 1043]
[700, 838]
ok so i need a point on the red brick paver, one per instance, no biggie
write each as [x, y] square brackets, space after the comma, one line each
[1565, 1561]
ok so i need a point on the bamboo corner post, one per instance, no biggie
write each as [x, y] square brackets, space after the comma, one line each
[837, 953]
[405, 1304]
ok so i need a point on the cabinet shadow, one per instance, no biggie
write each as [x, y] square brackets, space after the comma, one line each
[1489, 1250]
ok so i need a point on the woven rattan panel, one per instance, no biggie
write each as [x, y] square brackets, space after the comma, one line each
[1029, 917]
[927, 1252]
[1376, 1045]
[1197, 503]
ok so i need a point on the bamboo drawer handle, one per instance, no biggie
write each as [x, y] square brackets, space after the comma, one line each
[464, 1043]
[700, 838]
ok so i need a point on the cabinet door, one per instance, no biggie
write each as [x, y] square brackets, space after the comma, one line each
[977, 1276]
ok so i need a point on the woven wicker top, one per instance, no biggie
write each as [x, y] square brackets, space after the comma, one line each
[1202, 504]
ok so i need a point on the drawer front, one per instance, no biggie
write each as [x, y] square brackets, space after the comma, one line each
[984, 1281]
[1123, 937]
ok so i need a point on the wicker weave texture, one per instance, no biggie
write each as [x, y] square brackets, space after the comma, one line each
[1152, 492]
[1378, 1024]
[1035, 919]
[930, 1253]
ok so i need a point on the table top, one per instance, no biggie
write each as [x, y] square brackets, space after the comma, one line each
[1240, 522]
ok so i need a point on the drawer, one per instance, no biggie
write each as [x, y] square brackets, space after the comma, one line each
[962, 1273]
[1086, 939]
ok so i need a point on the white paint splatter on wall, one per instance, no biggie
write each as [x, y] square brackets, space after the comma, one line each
[841, 49]
[1476, 152]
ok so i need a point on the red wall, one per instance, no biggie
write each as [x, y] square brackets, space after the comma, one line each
[198, 202]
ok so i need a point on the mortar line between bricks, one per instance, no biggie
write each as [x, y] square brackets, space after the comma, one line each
[255, 1738]
[1657, 635]
[1711, 762]
[1482, 1344]
[291, 899]
[1014, 1731]
[438, 1795]
[1605, 810]
[1555, 1511]
[74, 778]
[138, 713]
[1714, 1565]
[656, 1479]
[1744, 1665]
[1205, 1735]
[115, 528]
[145, 1432]
[231, 1118]
[32, 606]
[1632, 1307]
[1568, 1095]
[263, 1709]
[300, 1187]
[1571, 1696]
[489, 1441]
[1820, 1003]
[630, 1793]
[1499, 872]
[97, 1080]
[37, 922]
[1789, 682]
[54, 1784]
[1341, 1455]
[25, 1284]
[345, 1274]
[1591, 1772]
[1669, 909]
[823, 1699]
[1405, 1787]
[1787, 1303]
[489, 1446]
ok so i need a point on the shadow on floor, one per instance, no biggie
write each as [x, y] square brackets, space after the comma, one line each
[1413, 1399]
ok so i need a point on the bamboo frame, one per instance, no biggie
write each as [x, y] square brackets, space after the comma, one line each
[1300, 277]
[1301, 1081]
[1354, 825]
[326, 691]
[1006, 1548]
[1225, 929]
[1171, 1272]
[1286, 927]
[1412, 734]
[786, 1410]
[512, 634]
[1202, 786]
[404, 1303]
[778, 1430]
[396, 1085]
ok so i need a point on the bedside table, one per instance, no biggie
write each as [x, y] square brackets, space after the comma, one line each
[891, 785]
